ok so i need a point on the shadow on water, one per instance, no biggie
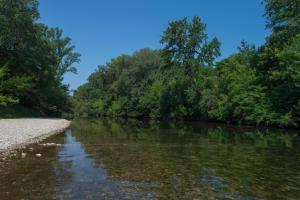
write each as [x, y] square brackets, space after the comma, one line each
[130, 159]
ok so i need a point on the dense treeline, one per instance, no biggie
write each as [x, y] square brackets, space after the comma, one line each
[183, 80]
[33, 60]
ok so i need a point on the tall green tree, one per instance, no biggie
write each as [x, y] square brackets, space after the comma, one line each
[277, 59]
[187, 44]
[33, 59]
[283, 19]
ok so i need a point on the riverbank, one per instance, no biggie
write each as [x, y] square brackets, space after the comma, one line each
[17, 133]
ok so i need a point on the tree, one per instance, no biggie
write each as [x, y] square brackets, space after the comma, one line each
[62, 53]
[118, 87]
[182, 81]
[277, 59]
[33, 60]
[283, 19]
[187, 44]
[240, 97]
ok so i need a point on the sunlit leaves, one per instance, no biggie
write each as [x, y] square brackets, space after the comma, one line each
[186, 44]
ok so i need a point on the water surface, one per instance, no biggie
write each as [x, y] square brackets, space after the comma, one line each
[110, 159]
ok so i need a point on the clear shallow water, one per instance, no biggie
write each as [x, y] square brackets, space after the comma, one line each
[105, 159]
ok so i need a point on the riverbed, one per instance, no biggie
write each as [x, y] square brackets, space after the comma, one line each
[130, 159]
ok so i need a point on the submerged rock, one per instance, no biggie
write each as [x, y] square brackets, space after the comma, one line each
[50, 144]
[23, 155]
[38, 155]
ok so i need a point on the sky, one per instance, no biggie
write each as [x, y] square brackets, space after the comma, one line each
[104, 29]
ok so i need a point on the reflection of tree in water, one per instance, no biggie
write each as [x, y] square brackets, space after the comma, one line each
[177, 157]
[31, 177]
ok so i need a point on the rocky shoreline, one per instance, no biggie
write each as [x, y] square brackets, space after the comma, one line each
[17, 133]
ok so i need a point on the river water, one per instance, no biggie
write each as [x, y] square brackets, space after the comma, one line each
[130, 159]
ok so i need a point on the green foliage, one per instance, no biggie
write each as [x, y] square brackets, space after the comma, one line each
[254, 86]
[240, 97]
[118, 88]
[187, 44]
[116, 108]
[145, 84]
[33, 60]
[17, 111]
[283, 19]
[12, 88]
[151, 100]
[98, 107]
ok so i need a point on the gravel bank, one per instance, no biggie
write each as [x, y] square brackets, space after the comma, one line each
[15, 133]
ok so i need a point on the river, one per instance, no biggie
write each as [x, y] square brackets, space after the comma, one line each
[131, 159]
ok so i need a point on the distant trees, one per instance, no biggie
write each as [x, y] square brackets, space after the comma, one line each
[117, 88]
[182, 80]
[33, 60]
[152, 83]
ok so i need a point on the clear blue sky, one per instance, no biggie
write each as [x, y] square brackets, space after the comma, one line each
[103, 29]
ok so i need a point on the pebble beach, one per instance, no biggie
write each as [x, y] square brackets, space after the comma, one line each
[16, 133]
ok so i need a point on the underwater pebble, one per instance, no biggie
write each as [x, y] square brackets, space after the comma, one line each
[50, 144]
[38, 155]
